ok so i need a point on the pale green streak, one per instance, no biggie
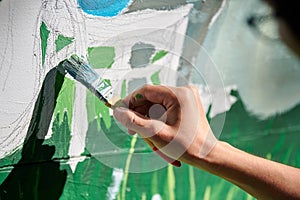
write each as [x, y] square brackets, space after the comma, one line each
[155, 78]
[159, 55]
[171, 182]
[62, 42]
[144, 197]
[65, 100]
[127, 165]
[249, 197]
[101, 57]
[207, 193]
[269, 156]
[231, 193]
[192, 183]
[154, 183]
[44, 35]
[123, 89]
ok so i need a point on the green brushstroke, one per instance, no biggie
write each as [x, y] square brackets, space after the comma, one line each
[65, 100]
[171, 183]
[125, 178]
[62, 42]
[97, 109]
[123, 89]
[207, 193]
[101, 57]
[144, 197]
[155, 78]
[232, 193]
[154, 184]
[61, 135]
[192, 183]
[269, 156]
[249, 197]
[159, 55]
[44, 34]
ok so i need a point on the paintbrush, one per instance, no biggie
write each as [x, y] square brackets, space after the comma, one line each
[84, 73]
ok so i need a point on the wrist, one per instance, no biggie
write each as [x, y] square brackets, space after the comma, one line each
[213, 160]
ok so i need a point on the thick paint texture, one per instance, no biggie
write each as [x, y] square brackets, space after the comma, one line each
[104, 8]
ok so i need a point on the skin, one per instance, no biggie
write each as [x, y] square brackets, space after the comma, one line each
[183, 133]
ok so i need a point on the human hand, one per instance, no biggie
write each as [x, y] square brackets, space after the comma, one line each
[172, 118]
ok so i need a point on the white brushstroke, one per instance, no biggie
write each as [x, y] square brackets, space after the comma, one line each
[156, 197]
[216, 16]
[265, 72]
[114, 187]
[214, 97]
[79, 125]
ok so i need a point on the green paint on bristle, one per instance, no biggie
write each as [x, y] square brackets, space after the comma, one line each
[62, 42]
[101, 57]
[44, 35]
[159, 55]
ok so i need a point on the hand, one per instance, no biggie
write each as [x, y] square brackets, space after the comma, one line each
[172, 118]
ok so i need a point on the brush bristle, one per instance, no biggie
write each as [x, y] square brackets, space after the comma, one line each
[80, 70]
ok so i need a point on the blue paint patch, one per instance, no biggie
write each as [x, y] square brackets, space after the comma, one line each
[104, 8]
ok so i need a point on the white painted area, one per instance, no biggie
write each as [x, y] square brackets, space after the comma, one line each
[79, 125]
[19, 82]
[114, 187]
[265, 72]
[215, 97]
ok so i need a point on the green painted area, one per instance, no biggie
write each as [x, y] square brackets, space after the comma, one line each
[65, 100]
[127, 166]
[101, 57]
[44, 34]
[61, 135]
[155, 78]
[123, 89]
[159, 55]
[96, 110]
[62, 41]
[90, 180]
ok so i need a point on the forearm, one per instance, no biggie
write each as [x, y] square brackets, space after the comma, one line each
[262, 178]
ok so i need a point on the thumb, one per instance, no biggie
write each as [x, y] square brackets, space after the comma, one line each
[145, 127]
